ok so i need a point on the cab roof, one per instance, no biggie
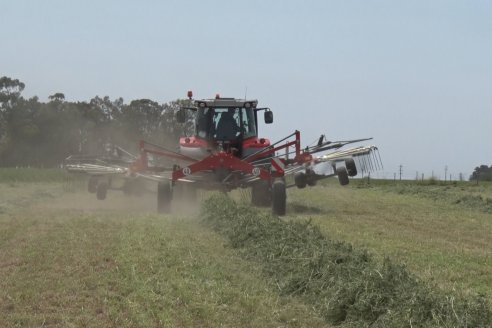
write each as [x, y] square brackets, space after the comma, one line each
[226, 103]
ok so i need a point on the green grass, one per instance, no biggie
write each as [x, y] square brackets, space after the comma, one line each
[463, 194]
[344, 284]
[67, 260]
[442, 241]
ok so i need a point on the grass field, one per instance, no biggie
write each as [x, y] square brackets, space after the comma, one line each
[69, 260]
[444, 241]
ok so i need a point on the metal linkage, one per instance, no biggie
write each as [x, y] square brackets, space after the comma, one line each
[95, 169]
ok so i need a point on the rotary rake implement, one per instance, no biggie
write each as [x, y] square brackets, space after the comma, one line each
[225, 153]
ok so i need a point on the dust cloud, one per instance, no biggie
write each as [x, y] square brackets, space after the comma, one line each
[73, 196]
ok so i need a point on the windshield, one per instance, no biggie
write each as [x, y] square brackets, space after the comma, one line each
[225, 123]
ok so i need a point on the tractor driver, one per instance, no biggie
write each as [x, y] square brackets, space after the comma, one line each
[227, 128]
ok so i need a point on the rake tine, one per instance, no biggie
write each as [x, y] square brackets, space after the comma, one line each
[369, 159]
[366, 165]
[377, 159]
[373, 156]
[364, 169]
[382, 167]
[359, 164]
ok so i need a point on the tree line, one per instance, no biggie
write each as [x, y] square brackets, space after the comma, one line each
[43, 134]
[482, 172]
[34, 133]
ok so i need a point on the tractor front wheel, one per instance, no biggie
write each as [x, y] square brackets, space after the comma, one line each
[164, 197]
[279, 197]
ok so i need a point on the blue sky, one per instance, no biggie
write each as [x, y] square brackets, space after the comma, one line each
[415, 75]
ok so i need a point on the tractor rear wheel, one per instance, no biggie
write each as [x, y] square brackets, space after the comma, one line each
[260, 194]
[164, 197]
[279, 197]
[342, 175]
[102, 190]
[92, 185]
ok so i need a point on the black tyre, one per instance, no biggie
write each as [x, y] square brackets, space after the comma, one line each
[311, 178]
[102, 190]
[300, 179]
[164, 197]
[92, 185]
[279, 197]
[342, 175]
[260, 194]
[351, 168]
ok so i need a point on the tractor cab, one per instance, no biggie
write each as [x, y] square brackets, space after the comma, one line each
[225, 124]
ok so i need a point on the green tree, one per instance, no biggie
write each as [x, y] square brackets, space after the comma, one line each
[10, 91]
[57, 97]
[10, 94]
[482, 172]
[22, 133]
[43, 134]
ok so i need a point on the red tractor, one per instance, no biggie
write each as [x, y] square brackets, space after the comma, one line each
[224, 152]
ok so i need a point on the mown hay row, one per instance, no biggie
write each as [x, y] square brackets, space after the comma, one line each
[345, 285]
[446, 194]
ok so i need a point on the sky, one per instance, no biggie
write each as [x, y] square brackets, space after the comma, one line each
[414, 75]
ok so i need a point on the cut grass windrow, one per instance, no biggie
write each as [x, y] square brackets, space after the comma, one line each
[345, 285]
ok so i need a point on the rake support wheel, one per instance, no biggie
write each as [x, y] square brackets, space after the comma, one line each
[279, 197]
[351, 168]
[342, 175]
[300, 179]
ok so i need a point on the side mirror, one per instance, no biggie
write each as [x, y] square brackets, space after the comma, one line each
[268, 116]
[181, 116]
